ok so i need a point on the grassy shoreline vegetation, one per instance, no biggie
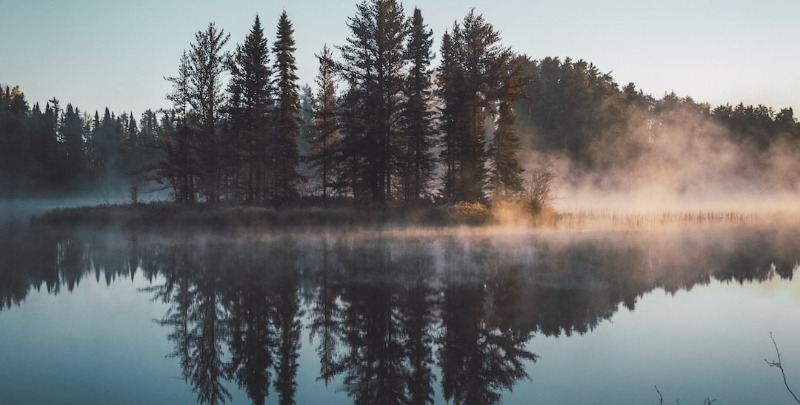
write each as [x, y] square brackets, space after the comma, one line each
[168, 215]
[160, 215]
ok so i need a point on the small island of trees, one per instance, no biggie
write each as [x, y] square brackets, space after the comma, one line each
[383, 126]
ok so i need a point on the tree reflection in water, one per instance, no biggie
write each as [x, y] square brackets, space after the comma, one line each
[384, 313]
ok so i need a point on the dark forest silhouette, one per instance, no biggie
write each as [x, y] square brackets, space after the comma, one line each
[384, 124]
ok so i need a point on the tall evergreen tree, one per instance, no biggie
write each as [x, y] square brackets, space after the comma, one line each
[107, 145]
[470, 84]
[451, 124]
[307, 101]
[282, 152]
[43, 146]
[93, 158]
[71, 134]
[149, 128]
[178, 139]
[132, 131]
[207, 63]
[325, 126]
[47, 142]
[506, 179]
[415, 152]
[250, 104]
[149, 156]
[131, 151]
[373, 67]
[506, 174]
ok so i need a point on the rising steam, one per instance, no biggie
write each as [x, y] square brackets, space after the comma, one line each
[684, 161]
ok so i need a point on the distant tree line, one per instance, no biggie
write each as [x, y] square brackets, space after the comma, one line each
[63, 150]
[383, 124]
[574, 109]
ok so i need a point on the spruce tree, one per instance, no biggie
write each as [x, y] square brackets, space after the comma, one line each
[71, 134]
[52, 112]
[132, 154]
[178, 142]
[249, 109]
[373, 67]
[470, 84]
[149, 128]
[415, 153]
[449, 83]
[506, 175]
[43, 146]
[307, 100]
[207, 63]
[282, 152]
[323, 141]
[506, 179]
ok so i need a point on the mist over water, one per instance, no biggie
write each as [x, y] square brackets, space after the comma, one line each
[685, 170]
[621, 149]
[408, 307]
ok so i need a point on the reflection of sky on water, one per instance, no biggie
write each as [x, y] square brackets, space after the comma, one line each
[707, 342]
[100, 342]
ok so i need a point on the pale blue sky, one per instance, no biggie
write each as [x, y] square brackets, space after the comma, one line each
[97, 53]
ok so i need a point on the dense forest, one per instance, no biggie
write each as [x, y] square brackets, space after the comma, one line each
[385, 124]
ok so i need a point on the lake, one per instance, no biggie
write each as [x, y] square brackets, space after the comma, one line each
[454, 315]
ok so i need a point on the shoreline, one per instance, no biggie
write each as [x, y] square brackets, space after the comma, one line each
[161, 215]
[168, 215]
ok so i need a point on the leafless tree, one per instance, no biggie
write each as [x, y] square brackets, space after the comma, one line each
[777, 363]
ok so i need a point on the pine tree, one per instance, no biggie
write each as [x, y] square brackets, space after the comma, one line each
[93, 157]
[282, 150]
[415, 154]
[249, 109]
[131, 153]
[207, 63]
[149, 156]
[71, 134]
[506, 176]
[46, 141]
[149, 128]
[373, 67]
[307, 101]
[325, 126]
[506, 179]
[178, 139]
[43, 145]
[470, 84]
[112, 146]
[449, 80]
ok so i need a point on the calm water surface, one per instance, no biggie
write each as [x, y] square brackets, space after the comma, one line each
[459, 316]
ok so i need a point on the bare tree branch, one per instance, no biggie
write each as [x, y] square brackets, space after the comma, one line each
[541, 183]
[707, 401]
[777, 363]
[660, 397]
